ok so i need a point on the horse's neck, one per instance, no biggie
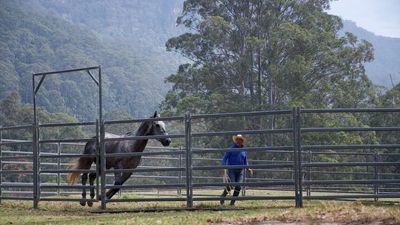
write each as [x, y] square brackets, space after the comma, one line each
[140, 145]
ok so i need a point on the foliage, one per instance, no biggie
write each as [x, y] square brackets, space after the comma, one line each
[39, 36]
[262, 55]
[14, 113]
[258, 55]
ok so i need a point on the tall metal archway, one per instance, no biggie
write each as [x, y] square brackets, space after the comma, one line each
[35, 140]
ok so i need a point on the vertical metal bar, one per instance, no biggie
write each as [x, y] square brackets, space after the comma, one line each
[1, 163]
[58, 167]
[309, 173]
[376, 176]
[34, 147]
[244, 180]
[297, 157]
[179, 191]
[100, 96]
[97, 160]
[189, 188]
[38, 161]
[102, 168]
[102, 146]
[296, 180]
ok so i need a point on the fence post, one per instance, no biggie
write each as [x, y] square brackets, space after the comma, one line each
[102, 166]
[58, 167]
[35, 161]
[297, 157]
[98, 174]
[376, 176]
[179, 191]
[1, 163]
[309, 172]
[188, 143]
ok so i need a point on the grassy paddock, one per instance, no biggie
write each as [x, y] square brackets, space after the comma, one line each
[314, 212]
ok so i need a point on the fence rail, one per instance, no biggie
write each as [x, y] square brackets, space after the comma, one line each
[191, 168]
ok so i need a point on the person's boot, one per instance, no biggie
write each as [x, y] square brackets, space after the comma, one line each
[224, 193]
[236, 193]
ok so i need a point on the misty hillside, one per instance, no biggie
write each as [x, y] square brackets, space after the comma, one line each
[386, 51]
[38, 36]
[127, 38]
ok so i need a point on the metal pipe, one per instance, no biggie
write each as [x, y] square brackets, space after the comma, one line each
[172, 118]
[152, 137]
[257, 113]
[58, 167]
[188, 145]
[67, 124]
[348, 129]
[179, 191]
[326, 164]
[1, 163]
[350, 110]
[295, 157]
[371, 181]
[50, 141]
[98, 153]
[299, 158]
[102, 168]
[67, 71]
[342, 197]
[16, 127]
[35, 148]
[366, 146]
[220, 133]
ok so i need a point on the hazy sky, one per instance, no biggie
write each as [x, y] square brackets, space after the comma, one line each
[381, 17]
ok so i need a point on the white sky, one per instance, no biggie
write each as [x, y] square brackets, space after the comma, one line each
[381, 17]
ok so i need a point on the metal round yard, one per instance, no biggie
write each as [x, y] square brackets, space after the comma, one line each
[292, 165]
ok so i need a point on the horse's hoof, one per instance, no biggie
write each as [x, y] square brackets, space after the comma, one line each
[83, 203]
[90, 204]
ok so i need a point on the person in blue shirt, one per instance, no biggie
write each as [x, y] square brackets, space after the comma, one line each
[235, 157]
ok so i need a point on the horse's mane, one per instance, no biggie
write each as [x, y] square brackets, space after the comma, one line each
[135, 132]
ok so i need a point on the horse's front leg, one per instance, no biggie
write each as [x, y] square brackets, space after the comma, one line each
[118, 181]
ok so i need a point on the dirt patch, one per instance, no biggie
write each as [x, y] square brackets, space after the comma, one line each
[305, 223]
[301, 223]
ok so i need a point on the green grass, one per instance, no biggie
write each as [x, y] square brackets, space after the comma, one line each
[314, 212]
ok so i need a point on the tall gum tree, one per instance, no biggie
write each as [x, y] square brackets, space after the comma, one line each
[266, 54]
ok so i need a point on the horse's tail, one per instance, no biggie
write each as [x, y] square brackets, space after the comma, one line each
[83, 163]
[73, 176]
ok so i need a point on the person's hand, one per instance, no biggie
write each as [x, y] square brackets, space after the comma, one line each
[225, 177]
[250, 171]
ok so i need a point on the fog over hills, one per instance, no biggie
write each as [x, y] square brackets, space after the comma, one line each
[386, 51]
[126, 37]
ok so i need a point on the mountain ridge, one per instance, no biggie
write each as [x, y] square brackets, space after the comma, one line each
[385, 55]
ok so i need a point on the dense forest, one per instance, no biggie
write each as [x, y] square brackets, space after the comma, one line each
[128, 39]
[40, 36]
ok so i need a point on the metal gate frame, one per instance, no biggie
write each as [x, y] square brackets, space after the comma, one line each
[36, 126]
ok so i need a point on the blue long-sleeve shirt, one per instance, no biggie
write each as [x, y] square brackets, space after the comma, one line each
[237, 156]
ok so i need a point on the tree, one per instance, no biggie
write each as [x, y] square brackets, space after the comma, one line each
[265, 54]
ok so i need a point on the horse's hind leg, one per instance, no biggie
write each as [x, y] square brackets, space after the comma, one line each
[118, 181]
[84, 179]
[92, 178]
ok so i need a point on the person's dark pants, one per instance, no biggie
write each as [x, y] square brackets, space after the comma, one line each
[234, 176]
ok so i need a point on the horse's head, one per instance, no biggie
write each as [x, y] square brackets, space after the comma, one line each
[158, 128]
